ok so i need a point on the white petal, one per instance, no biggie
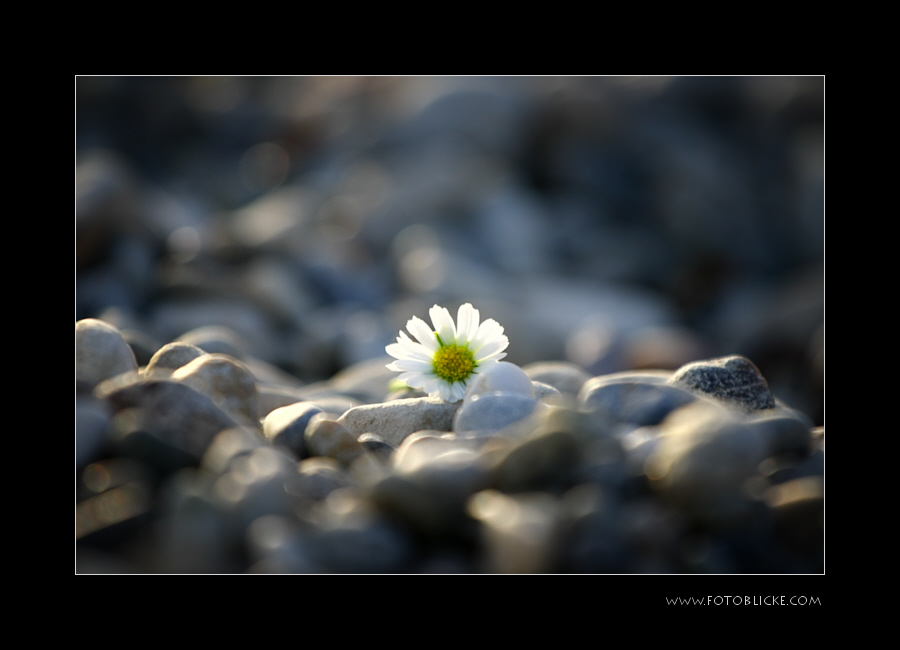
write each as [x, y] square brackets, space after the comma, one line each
[491, 348]
[443, 324]
[487, 331]
[467, 323]
[411, 364]
[418, 328]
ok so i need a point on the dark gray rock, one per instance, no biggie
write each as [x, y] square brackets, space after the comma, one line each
[286, 426]
[733, 380]
[639, 399]
[169, 411]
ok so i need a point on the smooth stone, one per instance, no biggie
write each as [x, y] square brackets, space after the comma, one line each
[567, 378]
[501, 377]
[100, 352]
[286, 426]
[227, 381]
[703, 459]
[326, 437]
[487, 414]
[393, 421]
[640, 399]
[169, 411]
[173, 356]
[733, 380]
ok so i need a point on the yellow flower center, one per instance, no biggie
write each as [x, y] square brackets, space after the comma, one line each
[453, 363]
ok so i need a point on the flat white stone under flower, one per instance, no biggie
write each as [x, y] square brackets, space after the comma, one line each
[444, 361]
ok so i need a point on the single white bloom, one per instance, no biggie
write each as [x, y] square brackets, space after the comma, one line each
[445, 360]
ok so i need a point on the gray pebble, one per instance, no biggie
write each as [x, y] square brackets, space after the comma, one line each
[172, 356]
[487, 414]
[171, 411]
[100, 352]
[395, 420]
[733, 380]
[286, 426]
[640, 399]
[326, 437]
[226, 381]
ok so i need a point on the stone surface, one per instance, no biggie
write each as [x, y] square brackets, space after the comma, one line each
[733, 380]
[486, 414]
[501, 377]
[169, 411]
[326, 437]
[286, 426]
[639, 399]
[100, 352]
[395, 420]
[173, 356]
[226, 381]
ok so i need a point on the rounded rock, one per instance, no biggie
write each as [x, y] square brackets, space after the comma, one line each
[482, 415]
[286, 426]
[502, 377]
[173, 356]
[101, 352]
[325, 437]
[226, 381]
[733, 380]
[638, 399]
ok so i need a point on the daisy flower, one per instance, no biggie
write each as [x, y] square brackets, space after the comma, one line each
[442, 362]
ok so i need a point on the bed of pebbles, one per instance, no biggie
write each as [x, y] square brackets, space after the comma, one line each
[196, 463]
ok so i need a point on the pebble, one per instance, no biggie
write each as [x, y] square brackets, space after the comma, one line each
[490, 413]
[172, 356]
[100, 352]
[393, 421]
[326, 437]
[501, 377]
[226, 381]
[634, 398]
[733, 380]
[286, 426]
